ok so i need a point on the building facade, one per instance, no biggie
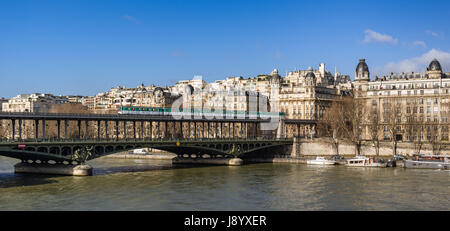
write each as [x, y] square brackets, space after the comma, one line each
[408, 106]
[36, 102]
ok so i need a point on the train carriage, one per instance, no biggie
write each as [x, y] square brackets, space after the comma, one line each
[210, 113]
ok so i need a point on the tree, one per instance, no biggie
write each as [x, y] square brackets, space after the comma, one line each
[393, 120]
[374, 129]
[334, 123]
[353, 121]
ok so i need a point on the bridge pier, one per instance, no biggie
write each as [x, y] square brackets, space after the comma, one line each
[53, 169]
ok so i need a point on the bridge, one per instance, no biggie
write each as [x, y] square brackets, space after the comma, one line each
[58, 139]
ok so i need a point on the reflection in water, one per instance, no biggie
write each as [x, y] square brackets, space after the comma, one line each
[157, 185]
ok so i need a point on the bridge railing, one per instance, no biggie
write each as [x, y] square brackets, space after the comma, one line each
[52, 140]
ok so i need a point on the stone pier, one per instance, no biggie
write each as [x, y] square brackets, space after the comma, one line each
[53, 169]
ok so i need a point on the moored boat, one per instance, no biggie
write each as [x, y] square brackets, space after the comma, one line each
[321, 161]
[428, 162]
[362, 161]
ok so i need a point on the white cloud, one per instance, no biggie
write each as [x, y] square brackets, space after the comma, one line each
[419, 43]
[433, 33]
[131, 19]
[419, 64]
[375, 37]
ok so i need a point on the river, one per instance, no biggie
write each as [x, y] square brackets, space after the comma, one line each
[124, 184]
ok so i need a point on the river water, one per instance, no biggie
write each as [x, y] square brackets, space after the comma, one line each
[124, 184]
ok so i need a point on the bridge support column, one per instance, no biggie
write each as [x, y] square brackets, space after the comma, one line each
[58, 124]
[20, 129]
[65, 129]
[43, 129]
[142, 130]
[53, 169]
[151, 129]
[134, 129]
[195, 130]
[124, 129]
[87, 130]
[13, 126]
[98, 129]
[117, 130]
[106, 129]
[79, 129]
[295, 148]
[36, 127]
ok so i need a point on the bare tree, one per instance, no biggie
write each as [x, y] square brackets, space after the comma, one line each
[374, 129]
[392, 116]
[335, 123]
[353, 111]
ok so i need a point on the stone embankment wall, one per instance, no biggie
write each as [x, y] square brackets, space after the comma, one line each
[323, 146]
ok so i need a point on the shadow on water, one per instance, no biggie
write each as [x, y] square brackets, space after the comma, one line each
[11, 180]
[143, 168]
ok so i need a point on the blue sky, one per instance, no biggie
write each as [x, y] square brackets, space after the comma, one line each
[88, 46]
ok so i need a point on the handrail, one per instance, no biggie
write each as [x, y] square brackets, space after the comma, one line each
[9, 141]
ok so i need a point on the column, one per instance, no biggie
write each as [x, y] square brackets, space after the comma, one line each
[117, 130]
[13, 126]
[124, 129]
[36, 127]
[20, 129]
[151, 129]
[98, 129]
[87, 130]
[59, 128]
[195, 130]
[106, 129]
[79, 129]
[65, 129]
[158, 134]
[142, 129]
[134, 129]
[43, 129]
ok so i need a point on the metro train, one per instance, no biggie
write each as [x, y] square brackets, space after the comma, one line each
[196, 112]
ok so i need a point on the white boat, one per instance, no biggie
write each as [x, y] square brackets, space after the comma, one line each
[321, 161]
[428, 161]
[362, 161]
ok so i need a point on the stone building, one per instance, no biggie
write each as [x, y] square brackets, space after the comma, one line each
[36, 102]
[2, 100]
[415, 105]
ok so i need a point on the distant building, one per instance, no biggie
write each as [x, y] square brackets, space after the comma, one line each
[2, 100]
[36, 102]
[419, 102]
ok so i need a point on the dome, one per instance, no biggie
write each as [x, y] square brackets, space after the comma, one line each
[310, 74]
[435, 66]
[362, 66]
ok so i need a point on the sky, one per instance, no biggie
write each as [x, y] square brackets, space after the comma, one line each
[83, 47]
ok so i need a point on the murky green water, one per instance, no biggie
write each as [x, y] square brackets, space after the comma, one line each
[155, 185]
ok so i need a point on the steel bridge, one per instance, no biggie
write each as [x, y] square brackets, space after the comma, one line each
[44, 137]
[61, 151]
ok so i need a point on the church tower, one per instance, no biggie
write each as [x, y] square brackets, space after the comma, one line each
[362, 71]
[362, 78]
